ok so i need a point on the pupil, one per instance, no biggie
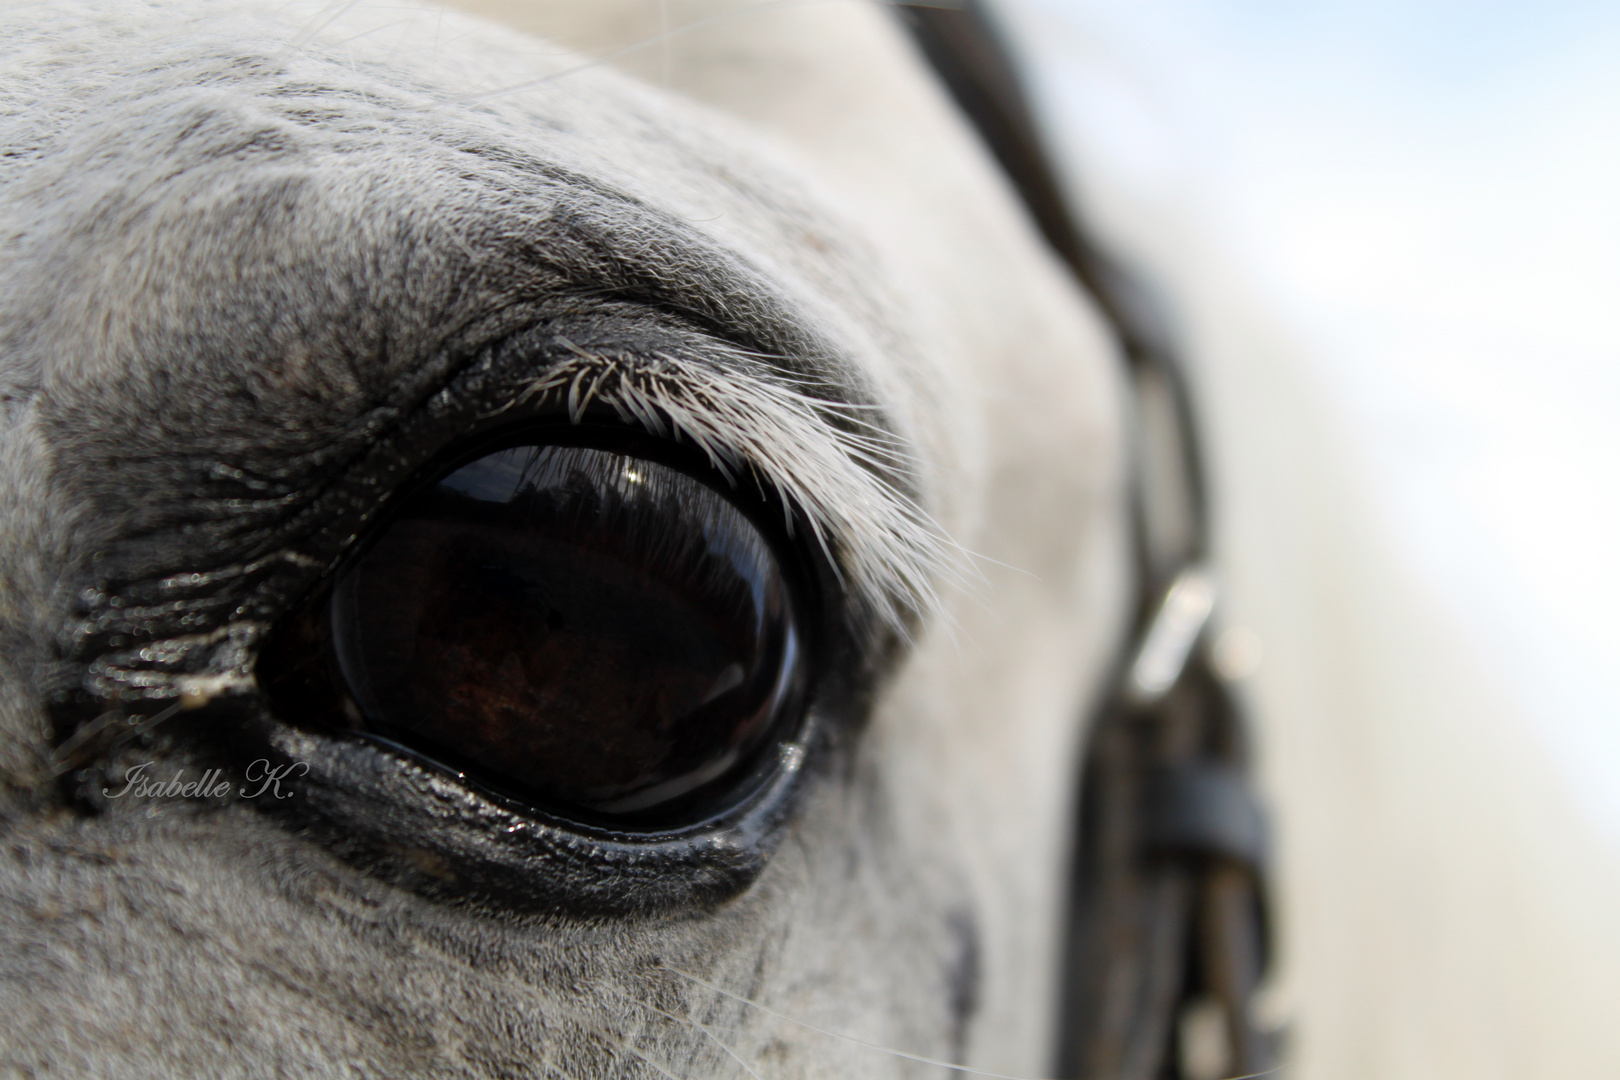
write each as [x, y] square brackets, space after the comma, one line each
[587, 629]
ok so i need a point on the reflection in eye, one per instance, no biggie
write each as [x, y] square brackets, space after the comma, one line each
[588, 629]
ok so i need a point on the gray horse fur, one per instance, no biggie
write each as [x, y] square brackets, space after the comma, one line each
[260, 262]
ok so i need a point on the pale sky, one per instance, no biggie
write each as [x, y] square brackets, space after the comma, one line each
[1428, 192]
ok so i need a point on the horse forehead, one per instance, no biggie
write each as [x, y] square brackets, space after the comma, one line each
[225, 157]
[922, 267]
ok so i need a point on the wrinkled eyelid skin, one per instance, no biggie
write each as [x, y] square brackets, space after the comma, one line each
[213, 523]
[261, 398]
[389, 809]
[257, 398]
[280, 384]
[268, 478]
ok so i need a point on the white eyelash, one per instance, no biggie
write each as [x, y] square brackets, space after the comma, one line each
[889, 553]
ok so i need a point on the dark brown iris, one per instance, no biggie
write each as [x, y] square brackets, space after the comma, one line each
[587, 629]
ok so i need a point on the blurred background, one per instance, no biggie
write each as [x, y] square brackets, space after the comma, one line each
[1390, 234]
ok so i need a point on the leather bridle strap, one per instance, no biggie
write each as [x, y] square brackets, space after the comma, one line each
[1167, 918]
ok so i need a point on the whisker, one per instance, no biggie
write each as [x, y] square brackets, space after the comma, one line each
[550, 1068]
[645, 1060]
[374, 30]
[433, 52]
[332, 12]
[517, 988]
[691, 1022]
[663, 26]
[919, 1058]
[66, 757]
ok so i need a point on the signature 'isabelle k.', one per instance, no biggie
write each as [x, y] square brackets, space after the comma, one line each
[211, 784]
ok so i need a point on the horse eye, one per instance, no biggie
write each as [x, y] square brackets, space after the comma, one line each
[584, 630]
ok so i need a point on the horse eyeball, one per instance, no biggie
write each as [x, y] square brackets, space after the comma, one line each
[585, 630]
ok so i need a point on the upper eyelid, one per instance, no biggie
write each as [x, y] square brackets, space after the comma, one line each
[846, 476]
